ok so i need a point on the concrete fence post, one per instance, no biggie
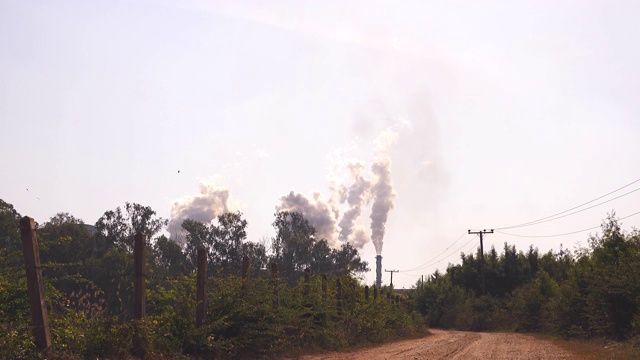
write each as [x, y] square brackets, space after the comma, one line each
[39, 316]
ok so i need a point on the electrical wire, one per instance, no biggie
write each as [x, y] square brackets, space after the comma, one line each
[443, 259]
[437, 256]
[565, 215]
[429, 263]
[556, 235]
[573, 208]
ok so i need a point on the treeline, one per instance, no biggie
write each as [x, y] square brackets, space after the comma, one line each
[593, 292]
[88, 274]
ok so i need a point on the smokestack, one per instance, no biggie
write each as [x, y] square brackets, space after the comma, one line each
[378, 271]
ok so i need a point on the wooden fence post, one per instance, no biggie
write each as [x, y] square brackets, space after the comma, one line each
[201, 287]
[375, 293]
[276, 294]
[139, 276]
[35, 288]
[366, 293]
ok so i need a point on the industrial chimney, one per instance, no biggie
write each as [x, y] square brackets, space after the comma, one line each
[378, 271]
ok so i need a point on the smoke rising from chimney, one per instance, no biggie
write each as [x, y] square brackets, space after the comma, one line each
[382, 188]
[383, 196]
[351, 230]
[325, 215]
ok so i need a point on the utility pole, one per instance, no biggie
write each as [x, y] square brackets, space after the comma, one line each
[391, 271]
[482, 255]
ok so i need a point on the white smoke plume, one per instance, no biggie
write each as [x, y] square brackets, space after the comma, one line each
[382, 188]
[320, 213]
[356, 198]
[212, 200]
[323, 214]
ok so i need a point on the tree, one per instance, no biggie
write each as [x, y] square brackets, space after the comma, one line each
[118, 228]
[293, 243]
[9, 227]
[228, 237]
[65, 238]
[168, 258]
[347, 261]
[225, 243]
[198, 236]
[295, 248]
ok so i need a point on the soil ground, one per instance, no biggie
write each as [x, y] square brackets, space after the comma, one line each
[445, 344]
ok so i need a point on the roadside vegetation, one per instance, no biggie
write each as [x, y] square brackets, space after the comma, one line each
[88, 279]
[592, 293]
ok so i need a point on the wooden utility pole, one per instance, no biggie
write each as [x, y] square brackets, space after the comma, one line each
[35, 288]
[391, 271]
[484, 231]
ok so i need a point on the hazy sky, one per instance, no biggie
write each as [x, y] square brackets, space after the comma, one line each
[501, 112]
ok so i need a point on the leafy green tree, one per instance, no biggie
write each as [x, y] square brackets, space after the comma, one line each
[169, 260]
[293, 243]
[347, 261]
[225, 241]
[65, 239]
[228, 238]
[9, 228]
[118, 228]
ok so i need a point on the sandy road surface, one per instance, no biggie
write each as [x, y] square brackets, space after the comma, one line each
[457, 345]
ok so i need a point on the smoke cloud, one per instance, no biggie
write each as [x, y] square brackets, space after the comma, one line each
[383, 196]
[356, 197]
[356, 190]
[212, 200]
[320, 213]
[382, 188]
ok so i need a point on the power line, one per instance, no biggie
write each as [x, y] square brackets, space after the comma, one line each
[551, 218]
[437, 256]
[427, 264]
[445, 258]
[556, 235]
[573, 208]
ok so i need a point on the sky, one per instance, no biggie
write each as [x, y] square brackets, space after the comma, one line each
[447, 115]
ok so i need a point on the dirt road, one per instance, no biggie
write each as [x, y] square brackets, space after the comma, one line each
[457, 345]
